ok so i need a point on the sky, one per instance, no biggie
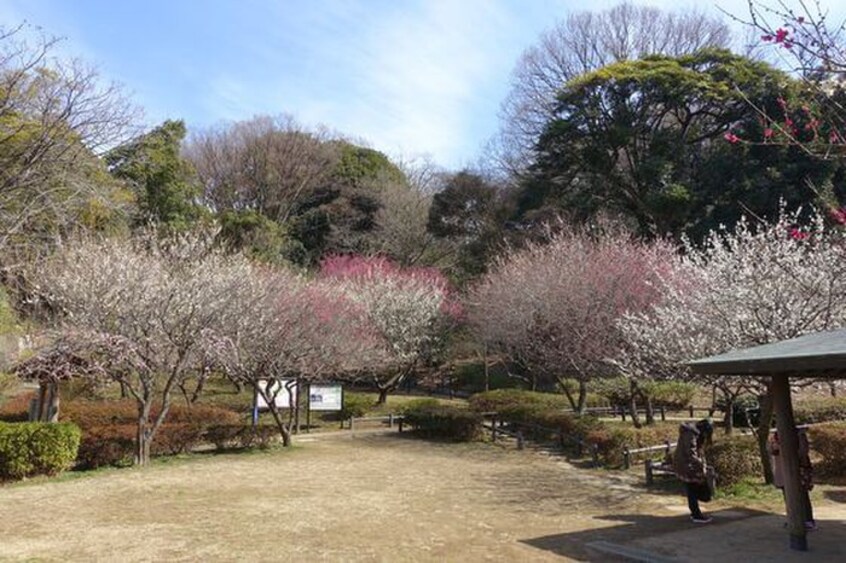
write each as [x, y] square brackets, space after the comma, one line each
[412, 78]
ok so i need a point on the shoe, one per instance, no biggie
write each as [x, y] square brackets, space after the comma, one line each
[700, 519]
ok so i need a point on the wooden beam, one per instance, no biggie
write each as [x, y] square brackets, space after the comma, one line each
[789, 459]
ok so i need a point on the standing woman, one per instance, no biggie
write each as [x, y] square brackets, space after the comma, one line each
[689, 464]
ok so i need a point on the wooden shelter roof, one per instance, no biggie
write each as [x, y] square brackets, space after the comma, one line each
[822, 354]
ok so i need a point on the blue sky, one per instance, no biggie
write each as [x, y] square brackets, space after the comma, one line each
[408, 77]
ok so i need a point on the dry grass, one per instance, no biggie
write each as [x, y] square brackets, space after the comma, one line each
[371, 498]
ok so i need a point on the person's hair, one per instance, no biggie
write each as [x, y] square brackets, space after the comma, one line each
[706, 432]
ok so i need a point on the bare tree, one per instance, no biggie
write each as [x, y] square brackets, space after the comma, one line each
[583, 42]
[266, 164]
[55, 117]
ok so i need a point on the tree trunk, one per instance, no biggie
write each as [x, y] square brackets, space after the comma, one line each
[198, 390]
[284, 430]
[573, 404]
[487, 368]
[728, 417]
[650, 411]
[53, 404]
[582, 407]
[383, 395]
[633, 404]
[763, 433]
[142, 443]
[124, 392]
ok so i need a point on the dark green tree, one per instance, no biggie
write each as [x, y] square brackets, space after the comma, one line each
[655, 140]
[165, 185]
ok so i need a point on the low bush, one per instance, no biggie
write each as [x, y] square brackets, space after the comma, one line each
[434, 420]
[8, 384]
[612, 440]
[112, 444]
[828, 409]
[101, 413]
[734, 459]
[517, 400]
[829, 441]
[746, 410]
[671, 394]
[36, 448]
[231, 436]
[16, 409]
[355, 405]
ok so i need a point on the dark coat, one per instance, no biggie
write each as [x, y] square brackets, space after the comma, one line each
[688, 459]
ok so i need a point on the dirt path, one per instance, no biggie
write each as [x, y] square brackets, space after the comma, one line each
[371, 498]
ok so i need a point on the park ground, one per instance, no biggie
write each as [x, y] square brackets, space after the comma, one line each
[378, 497]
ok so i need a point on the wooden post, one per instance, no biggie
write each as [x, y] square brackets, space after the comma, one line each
[649, 477]
[789, 454]
[493, 428]
[691, 411]
[627, 458]
[400, 424]
[519, 440]
[391, 420]
[351, 423]
[663, 414]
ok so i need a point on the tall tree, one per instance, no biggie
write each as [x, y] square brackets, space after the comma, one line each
[581, 43]
[166, 188]
[55, 117]
[644, 139]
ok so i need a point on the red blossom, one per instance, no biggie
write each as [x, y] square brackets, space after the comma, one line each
[731, 138]
[781, 35]
[838, 215]
[768, 133]
[766, 38]
[800, 19]
[797, 234]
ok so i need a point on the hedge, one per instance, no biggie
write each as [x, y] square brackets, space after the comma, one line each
[355, 405]
[36, 448]
[434, 420]
[734, 458]
[612, 440]
[829, 441]
[516, 401]
[829, 409]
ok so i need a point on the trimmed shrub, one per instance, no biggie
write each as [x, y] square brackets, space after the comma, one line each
[829, 441]
[355, 405]
[517, 400]
[828, 409]
[16, 409]
[671, 394]
[112, 444]
[434, 420]
[231, 436]
[734, 459]
[612, 440]
[102, 413]
[36, 448]
[746, 410]
[8, 384]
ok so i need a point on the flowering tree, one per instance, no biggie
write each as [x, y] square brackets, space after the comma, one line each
[140, 308]
[410, 309]
[761, 283]
[279, 327]
[554, 307]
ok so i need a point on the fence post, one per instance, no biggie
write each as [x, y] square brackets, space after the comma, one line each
[663, 414]
[666, 448]
[401, 419]
[580, 448]
[519, 440]
[627, 458]
[649, 477]
[351, 422]
[493, 428]
[691, 411]
[595, 454]
[391, 420]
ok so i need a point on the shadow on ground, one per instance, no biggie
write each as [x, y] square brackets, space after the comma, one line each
[629, 527]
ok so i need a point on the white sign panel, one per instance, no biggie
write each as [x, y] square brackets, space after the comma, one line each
[325, 397]
[283, 398]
